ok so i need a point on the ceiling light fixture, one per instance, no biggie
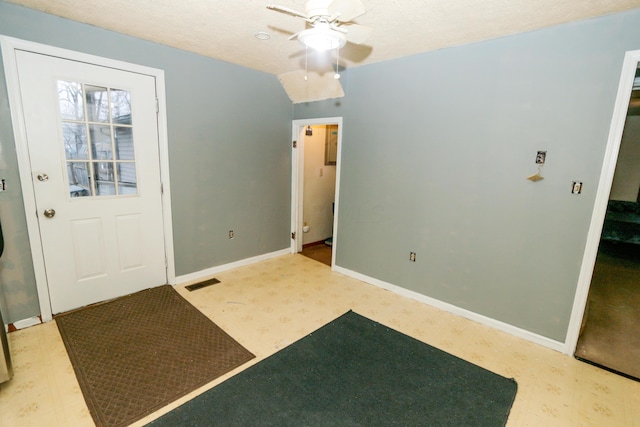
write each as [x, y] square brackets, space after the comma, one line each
[322, 37]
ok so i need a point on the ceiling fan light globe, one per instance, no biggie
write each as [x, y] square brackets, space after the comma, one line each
[322, 39]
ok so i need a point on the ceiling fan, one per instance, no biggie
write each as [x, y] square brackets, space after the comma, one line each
[330, 22]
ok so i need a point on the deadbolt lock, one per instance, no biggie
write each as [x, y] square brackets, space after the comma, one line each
[42, 177]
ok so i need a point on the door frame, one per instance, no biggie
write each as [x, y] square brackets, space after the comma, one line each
[297, 180]
[631, 60]
[9, 47]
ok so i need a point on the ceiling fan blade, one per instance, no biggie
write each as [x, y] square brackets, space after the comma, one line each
[288, 11]
[355, 33]
[310, 86]
[347, 9]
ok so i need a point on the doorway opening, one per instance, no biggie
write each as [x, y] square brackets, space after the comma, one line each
[610, 335]
[605, 332]
[316, 166]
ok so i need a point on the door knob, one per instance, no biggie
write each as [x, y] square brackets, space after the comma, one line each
[42, 177]
[49, 213]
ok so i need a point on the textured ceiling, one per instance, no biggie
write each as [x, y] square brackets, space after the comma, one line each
[224, 29]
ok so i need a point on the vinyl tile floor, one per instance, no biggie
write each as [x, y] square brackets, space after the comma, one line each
[269, 305]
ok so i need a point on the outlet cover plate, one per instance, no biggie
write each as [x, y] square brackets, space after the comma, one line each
[576, 187]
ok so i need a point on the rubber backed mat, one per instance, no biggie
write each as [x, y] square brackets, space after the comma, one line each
[353, 372]
[136, 354]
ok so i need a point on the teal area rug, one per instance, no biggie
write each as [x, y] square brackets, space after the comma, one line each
[353, 372]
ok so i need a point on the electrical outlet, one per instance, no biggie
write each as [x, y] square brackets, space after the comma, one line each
[576, 187]
[412, 257]
[541, 157]
[231, 234]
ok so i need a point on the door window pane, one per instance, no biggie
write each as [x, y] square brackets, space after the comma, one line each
[124, 143]
[121, 106]
[74, 136]
[104, 179]
[71, 100]
[97, 103]
[78, 174]
[101, 142]
[105, 189]
[127, 183]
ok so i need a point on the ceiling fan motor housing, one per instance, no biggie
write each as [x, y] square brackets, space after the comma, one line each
[317, 8]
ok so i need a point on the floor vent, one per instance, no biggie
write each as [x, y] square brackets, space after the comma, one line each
[201, 285]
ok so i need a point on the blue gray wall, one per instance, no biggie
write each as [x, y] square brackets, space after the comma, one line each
[229, 153]
[18, 296]
[436, 151]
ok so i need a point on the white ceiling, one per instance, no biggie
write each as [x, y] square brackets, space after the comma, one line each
[224, 29]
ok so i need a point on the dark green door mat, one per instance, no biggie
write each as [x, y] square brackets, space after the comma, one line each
[136, 354]
[353, 372]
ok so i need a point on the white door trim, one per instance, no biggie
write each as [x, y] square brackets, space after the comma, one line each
[631, 60]
[9, 46]
[297, 180]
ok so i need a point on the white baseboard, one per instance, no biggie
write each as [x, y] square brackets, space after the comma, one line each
[25, 323]
[207, 273]
[479, 318]
[450, 308]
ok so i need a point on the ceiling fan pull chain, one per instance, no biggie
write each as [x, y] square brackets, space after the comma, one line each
[306, 60]
[337, 74]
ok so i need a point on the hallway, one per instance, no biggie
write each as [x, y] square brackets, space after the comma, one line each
[611, 335]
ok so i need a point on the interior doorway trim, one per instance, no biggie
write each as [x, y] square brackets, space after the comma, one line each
[631, 60]
[297, 180]
[9, 47]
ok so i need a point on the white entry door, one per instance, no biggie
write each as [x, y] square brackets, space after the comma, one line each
[93, 145]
